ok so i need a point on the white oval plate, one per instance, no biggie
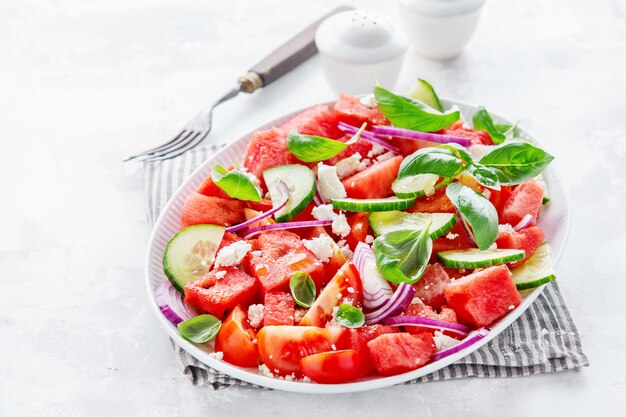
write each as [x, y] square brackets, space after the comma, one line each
[554, 220]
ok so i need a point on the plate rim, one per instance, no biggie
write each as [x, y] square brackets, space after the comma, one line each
[245, 374]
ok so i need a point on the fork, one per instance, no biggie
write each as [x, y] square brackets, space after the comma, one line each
[278, 63]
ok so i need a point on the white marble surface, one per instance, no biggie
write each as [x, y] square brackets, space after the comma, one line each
[84, 84]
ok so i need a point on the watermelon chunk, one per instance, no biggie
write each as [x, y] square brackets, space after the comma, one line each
[202, 209]
[279, 309]
[480, 298]
[456, 239]
[350, 110]
[221, 290]
[209, 188]
[435, 203]
[319, 120]
[527, 239]
[357, 339]
[361, 146]
[478, 137]
[525, 199]
[276, 256]
[396, 353]
[430, 288]
[375, 181]
[267, 149]
[424, 310]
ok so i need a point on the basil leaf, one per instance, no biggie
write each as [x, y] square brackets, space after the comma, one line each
[313, 148]
[302, 289]
[477, 211]
[484, 175]
[407, 114]
[507, 130]
[200, 329]
[350, 316]
[516, 162]
[439, 161]
[235, 183]
[402, 255]
[482, 121]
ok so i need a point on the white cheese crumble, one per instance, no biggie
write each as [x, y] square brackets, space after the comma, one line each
[328, 183]
[333, 347]
[504, 228]
[220, 274]
[255, 315]
[321, 246]
[369, 239]
[324, 212]
[368, 100]
[452, 236]
[348, 166]
[364, 164]
[256, 253]
[385, 156]
[511, 307]
[217, 355]
[417, 300]
[232, 254]
[376, 150]
[340, 225]
[265, 371]
[444, 342]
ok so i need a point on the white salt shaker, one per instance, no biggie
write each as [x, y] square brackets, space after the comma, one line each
[358, 48]
[439, 29]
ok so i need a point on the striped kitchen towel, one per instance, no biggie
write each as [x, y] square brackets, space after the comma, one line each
[544, 339]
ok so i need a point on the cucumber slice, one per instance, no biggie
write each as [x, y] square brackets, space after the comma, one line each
[536, 271]
[546, 193]
[476, 258]
[425, 93]
[301, 183]
[388, 221]
[372, 204]
[190, 253]
[415, 186]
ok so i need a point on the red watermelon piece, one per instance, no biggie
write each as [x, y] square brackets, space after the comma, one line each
[267, 149]
[276, 255]
[279, 309]
[202, 209]
[221, 290]
[209, 188]
[357, 339]
[375, 181]
[350, 110]
[430, 288]
[227, 240]
[525, 199]
[424, 310]
[527, 239]
[478, 137]
[436, 203]
[319, 120]
[361, 146]
[396, 353]
[481, 298]
[458, 241]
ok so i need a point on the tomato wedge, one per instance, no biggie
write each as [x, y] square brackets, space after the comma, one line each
[331, 367]
[282, 347]
[359, 228]
[236, 340]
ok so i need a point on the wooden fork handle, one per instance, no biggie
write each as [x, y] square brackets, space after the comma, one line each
[285, 58]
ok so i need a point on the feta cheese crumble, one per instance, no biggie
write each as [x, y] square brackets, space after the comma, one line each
[340, 225]
[324, 212]
[321, 246]
[220, 274]
[369, 239]
[232, 254]
[255, 315]
[385, 156]
[452, 236]
[376, 150]
[328, 183]
[444, 342]
[504, 228]
[348, 166]
[217, 355]
[511, 307]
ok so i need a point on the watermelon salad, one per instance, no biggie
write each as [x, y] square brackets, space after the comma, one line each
[368, 237]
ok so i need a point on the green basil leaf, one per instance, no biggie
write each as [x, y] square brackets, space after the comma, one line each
[302, 289]
[507, 130]
[350, 316]
[402, 255]
[309, 148]
[484, 175]
[408, 114]
[482, 121]
[200, 329]
[235, 183]
[516, 162]
[439, 161]
[477, 211]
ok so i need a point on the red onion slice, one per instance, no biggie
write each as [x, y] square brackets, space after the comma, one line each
[398, 303]
[412, 134]
[471, 339]
[376, 290]
[171, 303]
[369, 136]
[284, 226]
[524, 223]
[426, 322]
[284, 191]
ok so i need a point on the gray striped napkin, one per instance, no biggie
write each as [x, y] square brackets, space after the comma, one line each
[544, 339]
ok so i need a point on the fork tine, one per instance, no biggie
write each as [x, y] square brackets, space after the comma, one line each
[158, 148]
[191, 144]
[174, 146]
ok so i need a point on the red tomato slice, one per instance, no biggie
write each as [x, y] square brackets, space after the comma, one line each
[331, 367]
[282, 347]
[236, 340]
[346, 284]
[359, 229]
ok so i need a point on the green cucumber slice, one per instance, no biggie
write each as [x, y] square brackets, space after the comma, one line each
[536, 271]
[388, 221]
[190, 253]
[425, 93]
[546, 193]
[475, 258]
[372, 204]
[301, 183]
[415, 185]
